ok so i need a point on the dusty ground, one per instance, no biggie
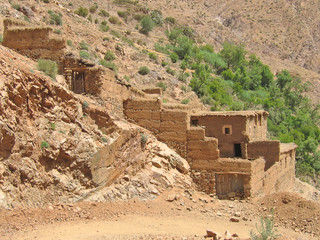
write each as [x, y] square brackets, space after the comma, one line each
[187, 217]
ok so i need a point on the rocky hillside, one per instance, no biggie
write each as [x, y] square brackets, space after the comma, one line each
[56, 147]
[283, 33]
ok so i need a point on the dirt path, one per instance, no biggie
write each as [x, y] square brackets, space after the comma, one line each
[134, 226]
[183, 218]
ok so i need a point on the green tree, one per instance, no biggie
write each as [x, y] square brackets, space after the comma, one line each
[233, 55]
[147, 25]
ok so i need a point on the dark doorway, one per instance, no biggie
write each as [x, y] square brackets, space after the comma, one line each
[227, 183]
[237, 150]
[78, 82]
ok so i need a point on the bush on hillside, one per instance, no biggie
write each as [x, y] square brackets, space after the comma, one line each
[55, 19]
[50, 68]
[147, 25]
[109, 56]
[81, 11]
[144, 70]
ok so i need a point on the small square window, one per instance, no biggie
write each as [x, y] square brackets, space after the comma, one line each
[227, 130]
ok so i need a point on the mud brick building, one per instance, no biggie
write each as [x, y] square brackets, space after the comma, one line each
[228, 152]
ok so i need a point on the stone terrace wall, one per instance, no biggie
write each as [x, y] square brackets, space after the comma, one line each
[270, 150]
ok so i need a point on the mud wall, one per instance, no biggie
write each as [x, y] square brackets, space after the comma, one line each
[169, 126]
[269, 150]
[34, 42]
[256, 127]
[214, 127]
[31, 38]
[279, 177]
[219, 175]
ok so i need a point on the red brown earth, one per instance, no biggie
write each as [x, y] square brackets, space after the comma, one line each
[187, 217]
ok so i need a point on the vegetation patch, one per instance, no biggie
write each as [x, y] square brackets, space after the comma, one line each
[144, 70]
[49, 67]
[81, 11]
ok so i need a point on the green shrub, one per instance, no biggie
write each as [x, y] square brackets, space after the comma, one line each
[156, 17]
[83, 12]
[104, 28]
[123, 14]
[114, 20]
[53, 126]
[1, 38]
[109, 56]
[55, 19]
[85, 105]
[163, 63]
[103, 139]
[96, 21]
[104, 23]
[185, 101]
[153, 56]
[16, 6]
[144, 70]
[57, 31]
[104, 13]
[49, 67]
[115, 33]
[171, 71]
[106, 39]
[84, 45]
[93, 8]
[127, 78]
[45, 1]
[174, 57]
[108, 64]
[265, 230]
[170, 20]
[122, 2]
[162, 85]
[90, 18]
[44, 144]
[147, 25]
[139, 17]
[184, 88]
[183, 77]
[143, 139]
[84, 54]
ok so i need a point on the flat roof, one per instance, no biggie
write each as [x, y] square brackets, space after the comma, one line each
[287, 147]
[233, 113]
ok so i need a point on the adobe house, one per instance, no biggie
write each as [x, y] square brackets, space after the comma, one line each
[249, 163]
[228, 152]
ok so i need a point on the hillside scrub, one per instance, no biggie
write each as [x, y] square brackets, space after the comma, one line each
[229, 80]
[49, 67]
